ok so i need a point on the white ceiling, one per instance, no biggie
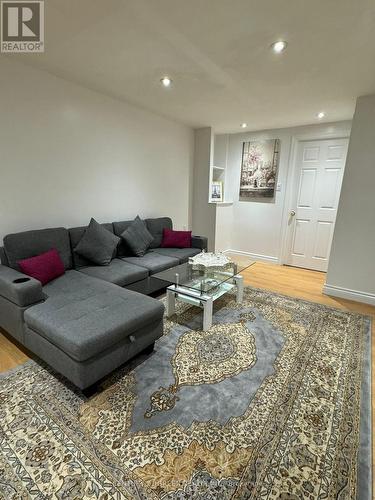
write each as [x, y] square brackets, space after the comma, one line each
[217, 52]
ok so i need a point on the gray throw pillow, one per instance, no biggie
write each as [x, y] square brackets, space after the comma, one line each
[137, 237]
[97, 244]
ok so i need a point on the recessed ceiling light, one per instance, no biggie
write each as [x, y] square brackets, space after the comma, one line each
[321, 115]
[243, 125]
[166, 81]
[279, 46]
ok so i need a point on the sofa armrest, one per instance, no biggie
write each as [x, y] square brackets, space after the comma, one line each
[19, 288]
[199, 242]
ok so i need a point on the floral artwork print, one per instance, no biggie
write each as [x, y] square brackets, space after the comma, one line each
[259, 169]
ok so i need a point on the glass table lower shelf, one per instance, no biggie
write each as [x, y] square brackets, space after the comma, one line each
[200, 284]
[204, 300]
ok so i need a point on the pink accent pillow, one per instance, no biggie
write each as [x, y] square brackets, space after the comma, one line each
[44, 267]
[176, 239]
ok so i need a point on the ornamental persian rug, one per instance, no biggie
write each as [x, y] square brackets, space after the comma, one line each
[271, 403]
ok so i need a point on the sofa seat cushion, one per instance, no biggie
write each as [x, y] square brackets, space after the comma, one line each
[182, 254]
[153, 261]
[118, 272]
[84, 316]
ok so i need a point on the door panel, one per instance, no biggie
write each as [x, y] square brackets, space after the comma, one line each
[330, 188]
[300, 238]
[307, 188]
[336, 152]
[317, 183]
[311, 154]
[323, 233]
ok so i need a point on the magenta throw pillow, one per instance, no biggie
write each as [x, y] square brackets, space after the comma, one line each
[176, 239]
[44, 267]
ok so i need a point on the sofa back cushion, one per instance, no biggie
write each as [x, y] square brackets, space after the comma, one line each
[156, 226]
[3, 257]
[123, 249]
[137, 237]
[27, 244]
[76, 234]
[97, 244]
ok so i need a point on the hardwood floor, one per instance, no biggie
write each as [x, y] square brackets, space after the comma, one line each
[11, 354]
[292, 281]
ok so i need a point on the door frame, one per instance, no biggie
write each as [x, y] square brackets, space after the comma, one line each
[291, 178]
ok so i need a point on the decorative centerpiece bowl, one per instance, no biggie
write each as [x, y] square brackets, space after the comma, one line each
[209, 261]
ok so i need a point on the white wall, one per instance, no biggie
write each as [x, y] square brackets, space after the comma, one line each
[257, 227]
[224, 227]
[351, 270]
[68, 153]
[204, 213]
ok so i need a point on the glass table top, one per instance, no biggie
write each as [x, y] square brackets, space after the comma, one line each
[204, 279]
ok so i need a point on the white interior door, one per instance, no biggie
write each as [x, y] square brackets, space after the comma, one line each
[318, 177]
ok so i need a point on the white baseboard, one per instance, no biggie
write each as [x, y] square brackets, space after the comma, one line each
[346, 293]
[254, 256]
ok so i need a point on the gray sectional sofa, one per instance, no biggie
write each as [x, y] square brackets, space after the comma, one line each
[89, 321]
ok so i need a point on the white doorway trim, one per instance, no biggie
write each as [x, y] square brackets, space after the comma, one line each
[291, 174]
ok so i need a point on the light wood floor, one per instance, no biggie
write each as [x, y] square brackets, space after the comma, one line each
[291, 281]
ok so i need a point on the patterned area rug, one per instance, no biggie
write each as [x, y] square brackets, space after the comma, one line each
[265, 405]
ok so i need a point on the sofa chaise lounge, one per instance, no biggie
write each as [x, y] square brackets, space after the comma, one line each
[93, 318]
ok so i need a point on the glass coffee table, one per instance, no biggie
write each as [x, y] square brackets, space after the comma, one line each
[201, 285]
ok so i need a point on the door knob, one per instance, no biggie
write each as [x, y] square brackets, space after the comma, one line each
[292, 213]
